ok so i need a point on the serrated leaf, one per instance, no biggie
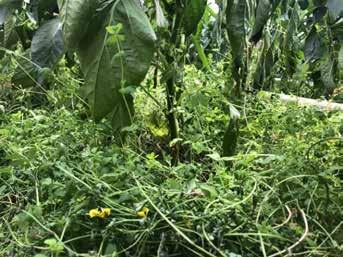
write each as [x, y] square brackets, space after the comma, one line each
[47, 46]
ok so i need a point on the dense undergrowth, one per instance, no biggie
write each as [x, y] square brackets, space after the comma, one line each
[281, 195]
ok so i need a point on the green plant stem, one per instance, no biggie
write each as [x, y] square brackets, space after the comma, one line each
[172, 119]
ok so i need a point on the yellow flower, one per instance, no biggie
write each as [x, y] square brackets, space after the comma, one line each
[100, 213]
[143, 213]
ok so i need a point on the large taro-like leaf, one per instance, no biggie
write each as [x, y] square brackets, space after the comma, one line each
[76, 16]
[47, 44]
[194, 10]
[109, 66]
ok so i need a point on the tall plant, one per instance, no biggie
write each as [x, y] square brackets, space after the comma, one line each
[115, 44]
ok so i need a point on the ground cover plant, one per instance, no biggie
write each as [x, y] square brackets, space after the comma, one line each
[143, 128]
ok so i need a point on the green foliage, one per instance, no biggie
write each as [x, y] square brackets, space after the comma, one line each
[168, 190]
[47, 46]
[110, 65]
[194, 10]
[56, 166]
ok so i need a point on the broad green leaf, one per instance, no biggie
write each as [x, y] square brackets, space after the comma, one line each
[327, 75]
[104, 78]
[26, 72]
[194, 10]
[161, 20]
[208, 14]
[265, 9]
[235, 16]
[47, 44]
[314, 48]
[76, 16]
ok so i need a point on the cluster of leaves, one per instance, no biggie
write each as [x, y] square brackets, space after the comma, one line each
[286, 44]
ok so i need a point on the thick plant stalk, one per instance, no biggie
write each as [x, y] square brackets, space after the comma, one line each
[321, 104]
[172, 119]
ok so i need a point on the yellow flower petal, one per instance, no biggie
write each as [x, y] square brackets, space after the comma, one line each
[100, 213]
[143, 213]
[107, 211]
[93, 213]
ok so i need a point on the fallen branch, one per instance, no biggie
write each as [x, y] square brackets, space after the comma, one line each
[321, 104]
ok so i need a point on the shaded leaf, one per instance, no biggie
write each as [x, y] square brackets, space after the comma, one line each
[335, 8]
[313, 46]
[26, 72]
[76, 16]
[230, 138]
[235, 19]
[327, 75]
[10, 37]
[104, 78]
[303, 4]
[265, 9]
[161, 20]
[47, 44]
[194, 10]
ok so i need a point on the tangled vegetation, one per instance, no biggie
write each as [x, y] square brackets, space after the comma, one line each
[143, 128]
